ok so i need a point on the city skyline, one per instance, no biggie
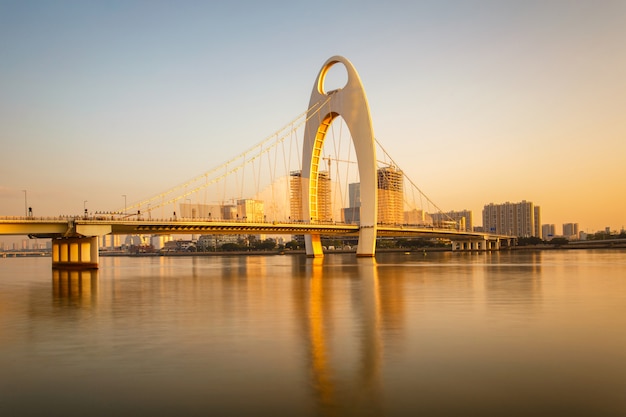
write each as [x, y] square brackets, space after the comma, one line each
[478, 102]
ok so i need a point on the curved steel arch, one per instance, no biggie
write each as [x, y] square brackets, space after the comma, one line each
[351, 104]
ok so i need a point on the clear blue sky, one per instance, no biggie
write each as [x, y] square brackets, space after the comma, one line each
[478, 101]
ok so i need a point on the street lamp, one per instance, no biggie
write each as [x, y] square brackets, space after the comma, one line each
[85, 207]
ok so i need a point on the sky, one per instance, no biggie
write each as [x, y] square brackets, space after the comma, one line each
[477, 101]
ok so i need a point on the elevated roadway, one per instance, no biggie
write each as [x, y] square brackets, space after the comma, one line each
[77, 227]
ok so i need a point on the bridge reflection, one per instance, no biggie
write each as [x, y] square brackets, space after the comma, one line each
[73, 286]
[341, 310]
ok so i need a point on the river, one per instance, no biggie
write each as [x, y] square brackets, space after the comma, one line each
[443, 334]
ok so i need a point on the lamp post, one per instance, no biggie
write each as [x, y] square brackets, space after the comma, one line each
[85, 207]
[124, 195]
[25, 204]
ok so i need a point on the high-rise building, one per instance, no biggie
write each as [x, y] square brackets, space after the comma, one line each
[570, 230]
[537, 221]
[324, 203]
[250, 210]
[352, 214]
[512, 219]
[390, 195]
[463, 219]
[548, 231]
[354, 194]
[295, 196]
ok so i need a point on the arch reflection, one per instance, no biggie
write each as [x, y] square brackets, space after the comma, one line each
[344, 360]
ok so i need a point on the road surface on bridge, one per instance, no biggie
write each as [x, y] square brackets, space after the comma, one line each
[66, 227]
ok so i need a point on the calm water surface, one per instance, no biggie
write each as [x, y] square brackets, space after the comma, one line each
[500, 334]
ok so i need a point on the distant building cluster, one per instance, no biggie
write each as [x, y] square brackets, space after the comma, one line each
[390, 198]
[246, 210]
[520, 219]
[390, 183]
[570, 232]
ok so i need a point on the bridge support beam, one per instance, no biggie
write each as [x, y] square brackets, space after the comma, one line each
[75, 252]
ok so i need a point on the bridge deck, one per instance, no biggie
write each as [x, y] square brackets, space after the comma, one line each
[58, 227]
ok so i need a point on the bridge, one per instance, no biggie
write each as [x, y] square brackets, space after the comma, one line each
[293, 199]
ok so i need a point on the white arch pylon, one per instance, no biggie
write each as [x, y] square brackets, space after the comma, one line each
[351, 104]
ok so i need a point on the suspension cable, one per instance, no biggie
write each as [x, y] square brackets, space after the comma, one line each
[310, 112]
[409, 179]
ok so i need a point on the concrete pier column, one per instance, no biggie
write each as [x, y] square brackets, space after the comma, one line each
[313, 245]
[367, 242]
[75, 252]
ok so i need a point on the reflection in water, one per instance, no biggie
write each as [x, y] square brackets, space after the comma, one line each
[511, 333]
[514, 287]
[72, 286]
[319, 304]
[368, 306]
[318, 309]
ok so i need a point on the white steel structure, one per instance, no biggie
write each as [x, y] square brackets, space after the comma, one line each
[351, 104]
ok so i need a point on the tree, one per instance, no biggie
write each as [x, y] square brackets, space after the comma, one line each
[293, 245]
[231, 247]
[557, 241]
[527, 241]
[267, 244]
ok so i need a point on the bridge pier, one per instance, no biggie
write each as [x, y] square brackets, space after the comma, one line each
[313, 245]
[367, 242]
[75, 252]
[475, 245]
